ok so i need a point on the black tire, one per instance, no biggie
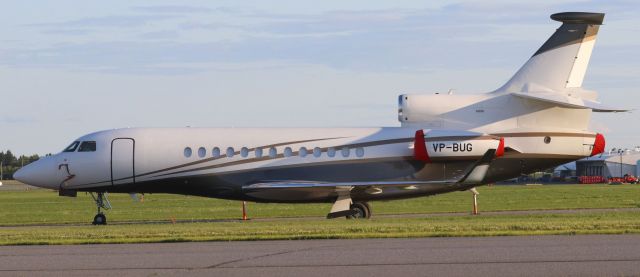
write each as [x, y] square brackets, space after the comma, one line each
[363, 211]
[100, 219]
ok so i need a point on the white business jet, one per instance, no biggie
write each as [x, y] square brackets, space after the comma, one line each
[447, 142]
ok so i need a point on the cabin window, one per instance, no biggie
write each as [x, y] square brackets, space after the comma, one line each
[317, 152]
[288, 152]
[187, 152]
[202, 152]
[547, 140]
[360, 152]
[230, 152]
[303, 152]
[258, 152]
[87, 146]
[331, 152]
[244, 152]
[216, 152]
[72, 147]
[345, 152]
[273, 152]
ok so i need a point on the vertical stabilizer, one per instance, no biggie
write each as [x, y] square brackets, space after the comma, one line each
[562, 61]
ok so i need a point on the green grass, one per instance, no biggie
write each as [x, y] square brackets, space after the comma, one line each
[44, 207]
[587, 223]
[19, 209]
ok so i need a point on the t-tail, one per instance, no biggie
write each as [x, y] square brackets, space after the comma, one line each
[556, 71]
[548, 87]
[561, 62]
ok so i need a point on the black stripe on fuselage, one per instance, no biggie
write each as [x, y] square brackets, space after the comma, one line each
[324, 149]
[364, 144]
[235, 153]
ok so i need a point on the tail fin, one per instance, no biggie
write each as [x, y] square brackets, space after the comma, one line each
[562, 60]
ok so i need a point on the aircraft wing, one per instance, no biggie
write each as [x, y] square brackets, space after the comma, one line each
[268, 185]
[568, 101]
[294, 190]
[474, 174]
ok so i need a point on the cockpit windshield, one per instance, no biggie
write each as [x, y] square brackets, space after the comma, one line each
[87, 146]
[72, 147]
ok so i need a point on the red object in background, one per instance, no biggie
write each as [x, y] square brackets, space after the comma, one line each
[627, 179]
[592, 179]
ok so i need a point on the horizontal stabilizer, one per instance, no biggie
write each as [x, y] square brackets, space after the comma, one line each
[567, 101]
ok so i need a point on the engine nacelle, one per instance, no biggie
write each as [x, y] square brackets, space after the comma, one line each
[437, 145]
[436, 111]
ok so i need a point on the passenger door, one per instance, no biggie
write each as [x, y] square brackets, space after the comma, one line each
[122, 161]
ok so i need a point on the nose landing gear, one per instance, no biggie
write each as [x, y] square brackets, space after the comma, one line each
[102, 203]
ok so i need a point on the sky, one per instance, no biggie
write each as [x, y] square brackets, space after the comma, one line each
[68, 68]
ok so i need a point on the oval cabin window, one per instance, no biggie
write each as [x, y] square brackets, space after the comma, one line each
[317, 152]
[244, 152]
[345, 152]
[258, 152]
[331, 152]
[288, 152]
[360, 152]
[273, 152]
[303, 152]
[202, 152]
[216, 152]
[230, 152]
[187, 152]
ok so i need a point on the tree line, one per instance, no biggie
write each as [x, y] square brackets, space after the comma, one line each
[11, 163]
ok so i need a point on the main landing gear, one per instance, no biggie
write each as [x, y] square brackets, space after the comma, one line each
[360, 210]
[102, 203]
[345, 207]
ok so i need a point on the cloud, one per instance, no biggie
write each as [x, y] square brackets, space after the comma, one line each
[455, 36]
[119, 21]
[71, 32]
[175, 9]
[17, 120]
[160, 35]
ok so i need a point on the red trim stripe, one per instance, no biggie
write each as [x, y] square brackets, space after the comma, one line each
[500, 150]
[420, 147]
[598, 145]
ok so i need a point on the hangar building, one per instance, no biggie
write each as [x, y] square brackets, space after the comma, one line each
[612, 164]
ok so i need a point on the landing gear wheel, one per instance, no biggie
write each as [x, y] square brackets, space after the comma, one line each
[100, 219]
[102, 203]
[362, 209]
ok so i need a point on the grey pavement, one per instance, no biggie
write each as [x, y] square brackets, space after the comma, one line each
[585, 255]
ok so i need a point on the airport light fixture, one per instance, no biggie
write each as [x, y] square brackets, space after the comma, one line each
[620, 152]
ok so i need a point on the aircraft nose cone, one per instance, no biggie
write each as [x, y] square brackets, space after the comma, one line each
[38, 173]
[20, 175]
[26, 175]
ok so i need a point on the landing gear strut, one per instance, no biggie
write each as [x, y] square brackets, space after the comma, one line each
[361, 210]
[102, 203]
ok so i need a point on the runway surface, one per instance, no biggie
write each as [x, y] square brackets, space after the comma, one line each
[590, 255]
